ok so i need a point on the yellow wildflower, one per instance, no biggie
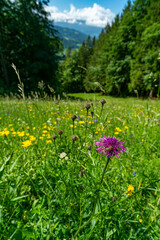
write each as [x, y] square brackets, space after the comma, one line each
[140, 220]
[14, 133]
[26, 143]
[72, 126]
[118, 129]
[20, 134]
[45, 131]
[32, 138]
[81, 122]
[4, 132]
[130, 190]
[48, 141]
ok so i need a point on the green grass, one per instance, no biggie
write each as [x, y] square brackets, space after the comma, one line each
[98, 96]
[50, 189]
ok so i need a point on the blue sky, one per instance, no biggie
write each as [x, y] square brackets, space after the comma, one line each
[85, 12]
[115, 6]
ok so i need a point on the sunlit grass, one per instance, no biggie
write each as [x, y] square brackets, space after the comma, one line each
[50, 169]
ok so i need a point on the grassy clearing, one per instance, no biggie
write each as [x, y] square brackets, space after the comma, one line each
[50, 186]
[98, 97]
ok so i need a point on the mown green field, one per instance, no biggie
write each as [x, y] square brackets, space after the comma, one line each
[54, 184]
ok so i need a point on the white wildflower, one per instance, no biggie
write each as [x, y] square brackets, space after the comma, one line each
[63, 155]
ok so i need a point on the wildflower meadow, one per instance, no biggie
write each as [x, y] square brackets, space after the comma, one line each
[79, 169]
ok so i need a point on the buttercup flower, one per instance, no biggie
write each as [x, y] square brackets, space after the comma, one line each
[32, 138]
[130, 190]
[110, 146]
[26, 143]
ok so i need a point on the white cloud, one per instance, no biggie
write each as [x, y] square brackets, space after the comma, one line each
[93, 16]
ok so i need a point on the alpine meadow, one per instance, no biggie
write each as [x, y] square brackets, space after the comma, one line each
[79, 126]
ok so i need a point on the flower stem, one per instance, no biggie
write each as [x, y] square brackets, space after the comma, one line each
[104, 170]
[73, 127]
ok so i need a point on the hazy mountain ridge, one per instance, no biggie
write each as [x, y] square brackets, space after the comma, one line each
[81, 27]
[70, 37]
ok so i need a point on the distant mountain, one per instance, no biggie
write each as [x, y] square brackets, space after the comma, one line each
[70, 37]
[81, 27]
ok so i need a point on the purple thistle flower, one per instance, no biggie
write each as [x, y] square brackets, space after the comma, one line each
[110, 146]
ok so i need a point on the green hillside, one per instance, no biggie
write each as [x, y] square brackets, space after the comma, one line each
[71, 37]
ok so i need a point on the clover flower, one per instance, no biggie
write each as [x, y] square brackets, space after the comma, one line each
[110, 146]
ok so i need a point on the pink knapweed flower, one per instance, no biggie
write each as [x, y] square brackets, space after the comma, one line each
[110, 146]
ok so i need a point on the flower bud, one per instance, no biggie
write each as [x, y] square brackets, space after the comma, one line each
[60, 132]
[87, 106]
[73, 117]
[54, 136]
[74, 138]
[92, 114]
[103, 101]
